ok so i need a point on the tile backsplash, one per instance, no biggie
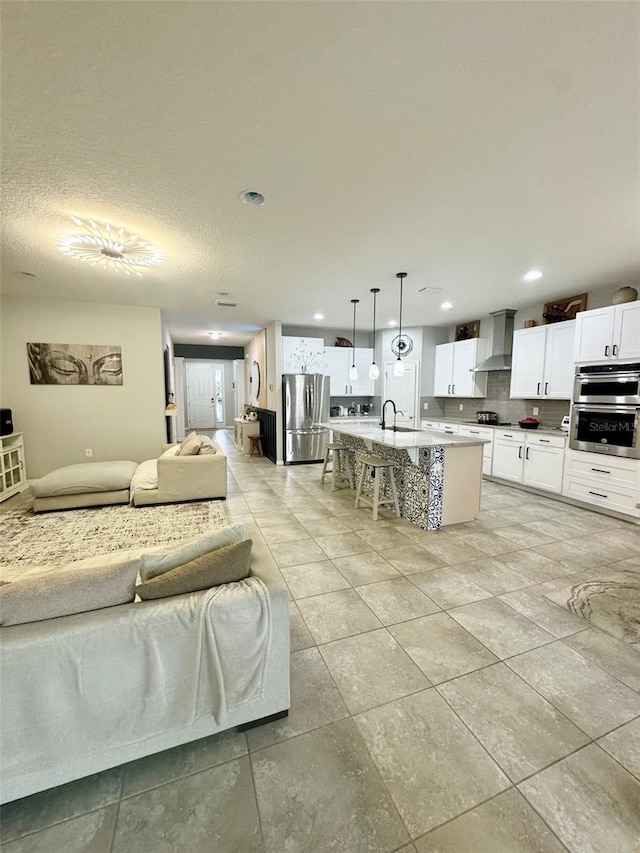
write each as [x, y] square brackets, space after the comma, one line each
[497, 400]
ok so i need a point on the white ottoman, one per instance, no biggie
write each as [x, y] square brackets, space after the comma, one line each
[87, 484]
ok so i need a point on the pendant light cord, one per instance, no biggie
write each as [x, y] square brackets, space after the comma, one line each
[401, 276]
[355, 302]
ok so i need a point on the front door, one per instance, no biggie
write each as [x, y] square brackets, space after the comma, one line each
[201, 395]
[403, 390]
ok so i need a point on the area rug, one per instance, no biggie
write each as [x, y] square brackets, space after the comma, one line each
[608, 598]
[56, 538]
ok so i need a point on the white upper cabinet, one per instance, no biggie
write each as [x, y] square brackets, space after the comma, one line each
[542, 364]
[443, 370]
[453, 369]
[302, 355]
[338, 361]
[608, 334]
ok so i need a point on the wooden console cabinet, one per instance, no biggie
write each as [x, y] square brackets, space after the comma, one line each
[13, 474]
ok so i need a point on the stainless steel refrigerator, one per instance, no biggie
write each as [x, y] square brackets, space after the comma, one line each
[305, 407]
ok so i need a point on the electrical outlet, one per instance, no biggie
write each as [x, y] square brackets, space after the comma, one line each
[535, 411]
[88, 453]
[425, 406]
[461, 407]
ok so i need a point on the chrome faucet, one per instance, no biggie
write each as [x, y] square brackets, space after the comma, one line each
[383, 424]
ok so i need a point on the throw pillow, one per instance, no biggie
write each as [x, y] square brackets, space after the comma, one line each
[66, 592]
[157, 563]
[207, 447]
[170, 451]
[225, 565]
[191, 445]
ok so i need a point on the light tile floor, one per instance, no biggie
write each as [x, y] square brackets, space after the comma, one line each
[440, 703]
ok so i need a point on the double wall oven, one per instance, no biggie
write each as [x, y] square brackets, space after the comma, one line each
[605, 416]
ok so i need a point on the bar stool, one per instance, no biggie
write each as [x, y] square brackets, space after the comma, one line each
[378, 465]
[341, 469]
[255, 445]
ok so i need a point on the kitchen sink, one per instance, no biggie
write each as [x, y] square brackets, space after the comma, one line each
[402, 429]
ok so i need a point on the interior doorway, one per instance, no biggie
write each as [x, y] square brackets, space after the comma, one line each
[205, 395]
[403, 390]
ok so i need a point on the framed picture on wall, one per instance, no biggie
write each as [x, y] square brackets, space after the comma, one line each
[74, 364]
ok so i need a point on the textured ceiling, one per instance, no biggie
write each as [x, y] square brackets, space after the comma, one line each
[462, 142]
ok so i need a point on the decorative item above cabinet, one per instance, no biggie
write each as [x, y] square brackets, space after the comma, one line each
[302, 355]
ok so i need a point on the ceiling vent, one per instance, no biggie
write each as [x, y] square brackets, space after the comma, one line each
[226, 303]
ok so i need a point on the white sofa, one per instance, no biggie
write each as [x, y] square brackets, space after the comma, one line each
[180, 478]
[168, 479]
[119, 651]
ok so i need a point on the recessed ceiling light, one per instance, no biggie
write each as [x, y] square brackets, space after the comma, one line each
[109, 248]
[318, 316]
[392, 323]
[532, 275]
[215, 334]
[252, 197]
[447, 306]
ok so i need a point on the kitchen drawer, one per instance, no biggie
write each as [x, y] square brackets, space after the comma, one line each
[617, 499]
[510, 435]
[429, 425]
[449, 429]
[603, 470]
[546, 440]
[477, 432]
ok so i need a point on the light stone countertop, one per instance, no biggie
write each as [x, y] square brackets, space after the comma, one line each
[515, 427]
[404, 440]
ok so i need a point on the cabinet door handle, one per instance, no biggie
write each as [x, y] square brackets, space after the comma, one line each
[598, 494]
[615, 349]
[606, 350]
[526, 455]
[546, 386]
[448, 389]
[601, 470]
[538, 389]
[520, 452]
[474, 431]
[544, 440]
[453, 389]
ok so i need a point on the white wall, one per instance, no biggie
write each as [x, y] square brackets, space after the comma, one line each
[61, 421]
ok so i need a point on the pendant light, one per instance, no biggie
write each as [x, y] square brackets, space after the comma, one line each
[398, 367]
[374, 372]
[353, 371]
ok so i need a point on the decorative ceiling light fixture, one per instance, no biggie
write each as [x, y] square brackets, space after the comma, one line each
[398, 367]
[353, 370]
[374, 371]
[109, 249]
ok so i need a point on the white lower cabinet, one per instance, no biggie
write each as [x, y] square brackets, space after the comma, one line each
[13, 475]
[508, 456]
[607, 482]
[543, 463]
[487, 449]
[534, 460]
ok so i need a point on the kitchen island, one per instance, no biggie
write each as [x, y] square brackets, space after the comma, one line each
[438, 476]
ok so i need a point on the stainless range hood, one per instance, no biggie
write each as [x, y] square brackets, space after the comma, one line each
[501, 342]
